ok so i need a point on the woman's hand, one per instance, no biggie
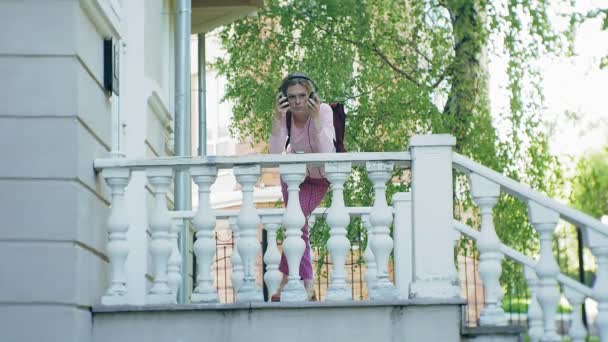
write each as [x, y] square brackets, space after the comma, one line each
[281, 107]
[280, 110]
[314, 105]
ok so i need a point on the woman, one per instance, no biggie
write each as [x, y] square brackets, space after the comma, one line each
[312, 131]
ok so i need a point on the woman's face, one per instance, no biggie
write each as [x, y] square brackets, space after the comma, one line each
[297, 95]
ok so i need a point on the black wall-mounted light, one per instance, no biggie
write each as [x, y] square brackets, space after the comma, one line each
[111, 66]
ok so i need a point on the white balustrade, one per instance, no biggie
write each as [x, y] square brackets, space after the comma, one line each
[174, 276]
[485, 195]
[272, 257]
[368, 256]
[402, 234]
[293, 220]
[577, 331]
[204, 246]
[248, 222]
[117, 247]
[338, 219]
[381, 217]
[535, 313]
[160, 226]
[598, 244]
[237, 262]
[544, 221]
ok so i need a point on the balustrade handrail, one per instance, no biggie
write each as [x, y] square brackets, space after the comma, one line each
[524, 192]
[264, 160]
[223, 214]
[526, 260]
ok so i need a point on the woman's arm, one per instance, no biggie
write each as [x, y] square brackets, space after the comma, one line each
[325, 130]
[278, 135]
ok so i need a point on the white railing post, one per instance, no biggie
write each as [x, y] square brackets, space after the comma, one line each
[338, 219]
[535, 313]
[435, 274]
[381, 217]
[118, 226]
[272, 257]
[577, 331]
[402, 234]
[368, 256]
[204, 246]
[293, 245]
[235, 259]
[160, 246]
[598, 244]
[485, 195]
[248, 222]
[175, 259]
[544, 221]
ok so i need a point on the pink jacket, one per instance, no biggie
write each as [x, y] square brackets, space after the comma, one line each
[306, 139]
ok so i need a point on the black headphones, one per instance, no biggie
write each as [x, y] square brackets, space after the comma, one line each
[295, 75]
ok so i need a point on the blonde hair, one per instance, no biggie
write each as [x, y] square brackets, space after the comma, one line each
[298, 81]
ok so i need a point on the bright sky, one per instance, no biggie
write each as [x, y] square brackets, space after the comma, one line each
[573, 84]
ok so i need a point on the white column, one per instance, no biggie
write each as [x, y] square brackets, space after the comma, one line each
[368, 256]
[535, 313]
[485, 195]
[204, 246]
[338, 219]
[248, 245]
[293, 245]
[598, 244]
[381, 217]
[118, 226]
[577, 331]
[402, 234]
[237, 263]
[544, 221]
[272, 258]
[160, 246]
[175, 259]
[432, 215]
[134, 116]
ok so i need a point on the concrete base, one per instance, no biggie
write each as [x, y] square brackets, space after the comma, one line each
[412, 320]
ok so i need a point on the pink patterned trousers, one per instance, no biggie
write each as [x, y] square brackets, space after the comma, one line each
[312, 191]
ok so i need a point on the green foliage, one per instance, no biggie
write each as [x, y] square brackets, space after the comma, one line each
[405, 68]
[590, 185]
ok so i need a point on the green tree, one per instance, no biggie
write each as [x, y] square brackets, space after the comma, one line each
[404, 68]
[590, 185]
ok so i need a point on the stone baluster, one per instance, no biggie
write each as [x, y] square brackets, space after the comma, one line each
[598, 243]
[544, 221]
[368, 256]
[248, 245]
[175, 259]
[402, 234]
[535, 313]
[237, 262]
[118, 226]
[204, 246]
[273, 276]
[293, 220]
[160, 246]
[577, 331]
[485, 195]
[381, 217]
[338, 245]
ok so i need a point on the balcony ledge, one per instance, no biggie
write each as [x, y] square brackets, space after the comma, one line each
[280, 305]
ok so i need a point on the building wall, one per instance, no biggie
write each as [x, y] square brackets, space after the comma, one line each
[54, 121]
